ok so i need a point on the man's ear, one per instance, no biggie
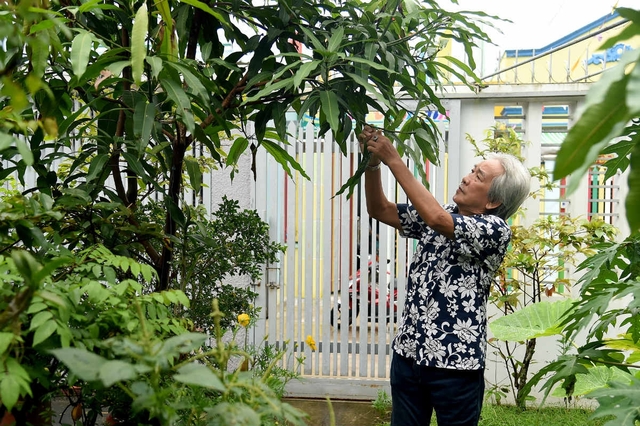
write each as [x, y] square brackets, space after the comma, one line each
[492, 205]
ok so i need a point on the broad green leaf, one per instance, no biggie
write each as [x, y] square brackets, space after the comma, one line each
[5, 341]
[39, 319]
[43, 332]
[116, 67]
[597, 377]
[9, 391]
[620, 400]
[533, 321]
[6, 141]
[14, 368]
[199, 375]
[114, 371]
[138, 43]
[81, 47]
[329, 103]
[195, 175]
[183, 105]
[632, 202]
[182, 298]
[27, 266]
[84, 364]
[633, 91]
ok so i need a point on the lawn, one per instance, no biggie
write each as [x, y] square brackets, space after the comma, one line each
[501, 415]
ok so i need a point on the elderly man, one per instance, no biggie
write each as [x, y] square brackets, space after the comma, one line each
[440, 348]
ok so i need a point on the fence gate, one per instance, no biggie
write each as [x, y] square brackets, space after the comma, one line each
[305, 297]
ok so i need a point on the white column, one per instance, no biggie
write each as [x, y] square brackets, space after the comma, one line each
[531, 154]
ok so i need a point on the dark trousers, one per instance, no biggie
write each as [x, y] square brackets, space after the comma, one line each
[416, 391]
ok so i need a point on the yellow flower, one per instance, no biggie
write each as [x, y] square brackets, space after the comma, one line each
[311, 342]
[243, 320]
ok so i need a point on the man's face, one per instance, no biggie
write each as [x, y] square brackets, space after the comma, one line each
[471, 197]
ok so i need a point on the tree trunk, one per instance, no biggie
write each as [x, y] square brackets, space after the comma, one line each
[523, 373]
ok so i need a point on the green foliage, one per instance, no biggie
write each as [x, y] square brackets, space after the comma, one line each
[72, 302]
[105, 102]
[534, 266]
[382, 404]
[212, 249]
[609, 123]
[167, 379]
[607, 310]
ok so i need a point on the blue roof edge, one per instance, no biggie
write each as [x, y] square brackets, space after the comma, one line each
[532, 52]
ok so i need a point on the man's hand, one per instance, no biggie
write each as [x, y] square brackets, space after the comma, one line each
[378, 145]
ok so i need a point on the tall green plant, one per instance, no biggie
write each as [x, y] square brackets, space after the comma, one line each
[607, 366]
[533, 270]
[607, 309]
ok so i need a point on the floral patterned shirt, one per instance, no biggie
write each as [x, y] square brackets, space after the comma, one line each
[444, 322]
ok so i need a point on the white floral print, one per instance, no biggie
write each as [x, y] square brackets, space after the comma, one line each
[444, 322]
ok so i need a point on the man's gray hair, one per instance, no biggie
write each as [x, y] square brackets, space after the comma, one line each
[510, 188]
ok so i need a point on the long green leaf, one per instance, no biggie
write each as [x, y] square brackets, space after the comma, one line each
[329, 104]
[194, 172]
[80, 52]
[270, 88]
[304, 71]
[204, 7]
[191, 80]
[592, 132]
[239, 146]
[183, 106]
[25, 152]
[336, 39]
[143, 120]
[370, 88]
[283, 157]
[632, 202]
[138, 43]
[97, 167]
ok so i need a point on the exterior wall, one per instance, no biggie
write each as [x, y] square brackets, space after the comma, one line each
[574, 58]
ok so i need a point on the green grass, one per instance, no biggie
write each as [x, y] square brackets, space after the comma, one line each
[502, 415]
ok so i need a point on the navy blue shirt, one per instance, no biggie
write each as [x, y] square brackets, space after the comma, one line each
[444, 322]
